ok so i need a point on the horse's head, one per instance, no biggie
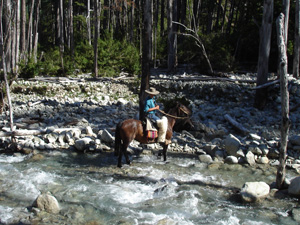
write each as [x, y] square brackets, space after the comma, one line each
[184, 112]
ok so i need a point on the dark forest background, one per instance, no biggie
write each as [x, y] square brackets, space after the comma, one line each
[55, 38]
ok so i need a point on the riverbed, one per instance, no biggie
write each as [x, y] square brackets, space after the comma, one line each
[90, 189]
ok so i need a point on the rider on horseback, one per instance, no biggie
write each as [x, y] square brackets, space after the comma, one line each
[150, 104]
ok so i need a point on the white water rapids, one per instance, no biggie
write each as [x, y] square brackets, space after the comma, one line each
[89, 188]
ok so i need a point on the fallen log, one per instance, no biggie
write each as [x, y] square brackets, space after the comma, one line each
[236, 124]
[36, 132]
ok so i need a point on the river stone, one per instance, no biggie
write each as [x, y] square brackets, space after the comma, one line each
[106, 136]
[205, 158]
[47, 202]
[89, 131]
[263, 160]
[83, 143]
[296, 214]
[250, 158]
[295, 140]
[254, 191]
[232, 144]
[231, 159]
[294, 188]
[51, 138]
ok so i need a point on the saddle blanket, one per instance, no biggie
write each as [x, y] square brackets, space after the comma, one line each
[152, 134]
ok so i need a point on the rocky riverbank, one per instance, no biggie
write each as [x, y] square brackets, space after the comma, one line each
[81, 114]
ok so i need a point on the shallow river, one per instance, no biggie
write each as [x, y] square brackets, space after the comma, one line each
[91, 190]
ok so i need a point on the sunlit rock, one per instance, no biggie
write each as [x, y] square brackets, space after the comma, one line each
[254, 191]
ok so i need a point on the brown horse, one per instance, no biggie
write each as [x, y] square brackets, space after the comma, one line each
[131, 129]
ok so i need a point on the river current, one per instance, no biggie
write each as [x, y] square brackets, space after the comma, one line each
[92, 190]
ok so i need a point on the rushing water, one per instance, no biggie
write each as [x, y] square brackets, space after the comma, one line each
[91, 190]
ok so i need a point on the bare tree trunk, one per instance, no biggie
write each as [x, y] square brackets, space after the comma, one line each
[286, 12]
[5, 72]
[23, 30]
[62, 41]
[88, 21]
[297, 41]
[8, 21]
[35, 30]
[162, 18]
[71, 28]
[146, 54]
[96, 35]
[172, 37]
[29, 30]
[264, 53]
[17, 54]
[285, 121]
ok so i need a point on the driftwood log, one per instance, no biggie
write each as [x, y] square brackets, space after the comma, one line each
[236, 124]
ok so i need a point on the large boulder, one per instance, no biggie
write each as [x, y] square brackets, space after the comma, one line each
[47, 202]
[83, 144]
[294, 188]
[232, 145]
[254, 191]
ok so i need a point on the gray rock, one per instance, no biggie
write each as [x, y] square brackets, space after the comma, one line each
[250, 158]
[205, 158]
[83, 144]
[254, 191]
[231, 159]
[47, 202]
[51, 138]
[294, 188]
[232, 144]
[295, 140]
[106, 136]
[263, 160]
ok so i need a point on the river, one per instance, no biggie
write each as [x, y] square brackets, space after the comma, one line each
[92, 190]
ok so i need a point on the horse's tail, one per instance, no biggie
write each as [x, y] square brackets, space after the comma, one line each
[118, 139]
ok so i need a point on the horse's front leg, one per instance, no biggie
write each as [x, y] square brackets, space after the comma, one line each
[165, 148]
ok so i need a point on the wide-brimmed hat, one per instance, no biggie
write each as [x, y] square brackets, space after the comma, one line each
[152, 91]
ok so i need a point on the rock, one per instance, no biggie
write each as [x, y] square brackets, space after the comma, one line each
[205, 158]
[47, 202]
[232, 144]
[231, 159]
[51, 138]
[254, 191]
[106, 136]
[89, 131]
[295, 140]
[263, 160]
[294, 188]
[83, 143]
[250, 158]
[296, 214]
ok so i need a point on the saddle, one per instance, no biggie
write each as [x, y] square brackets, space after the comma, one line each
[156, 131]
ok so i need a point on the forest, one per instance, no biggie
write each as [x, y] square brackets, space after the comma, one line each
[59, 38]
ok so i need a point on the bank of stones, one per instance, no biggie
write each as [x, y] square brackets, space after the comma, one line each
[82, 114]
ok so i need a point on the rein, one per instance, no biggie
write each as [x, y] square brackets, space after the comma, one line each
[175, 117]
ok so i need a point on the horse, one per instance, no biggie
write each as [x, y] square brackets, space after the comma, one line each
[132, 129]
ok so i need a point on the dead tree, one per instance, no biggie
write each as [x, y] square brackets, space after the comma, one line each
[285, 121]
[264, 53]
[146, 53]
[296, 41]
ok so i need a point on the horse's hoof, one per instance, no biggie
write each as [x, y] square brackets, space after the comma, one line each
[119, 165]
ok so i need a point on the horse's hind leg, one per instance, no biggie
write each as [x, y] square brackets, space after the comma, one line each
[124, 149]
[120, 158]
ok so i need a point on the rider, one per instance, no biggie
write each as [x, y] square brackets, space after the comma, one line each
[150, 104]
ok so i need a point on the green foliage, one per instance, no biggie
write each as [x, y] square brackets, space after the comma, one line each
[117, 56]
[29, 69]
[219, 51]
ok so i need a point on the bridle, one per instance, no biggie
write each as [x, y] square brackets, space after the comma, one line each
[176, 117]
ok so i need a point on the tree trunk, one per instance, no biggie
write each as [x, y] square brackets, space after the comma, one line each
[35, 30]
[162, 18]
[172, 37]
[5, 73]
[23, 28]
[88, 21]
[285, 121]
[146, 54]
[297, 41]
[71, 28]
[18, 31]
[264, 53]
[286, 12]
[29, 31]
[96, 35]
[62, 41]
